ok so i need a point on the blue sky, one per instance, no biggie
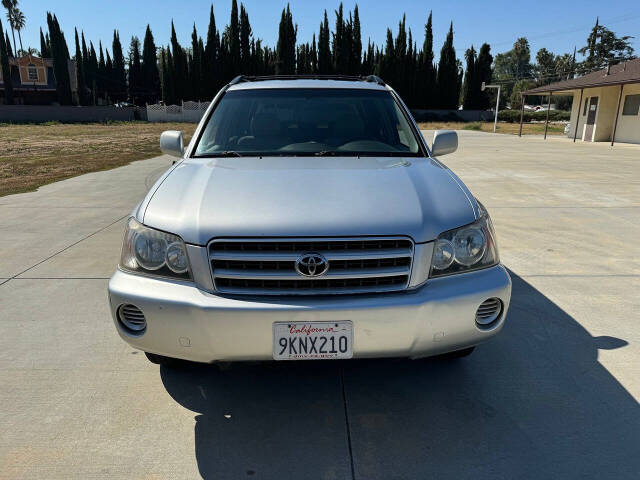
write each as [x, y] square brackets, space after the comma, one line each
[557, 25]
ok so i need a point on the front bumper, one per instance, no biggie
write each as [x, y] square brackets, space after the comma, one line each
[186, 322]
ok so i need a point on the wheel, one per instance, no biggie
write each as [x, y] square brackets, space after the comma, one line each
[166, 361]
[465, 352]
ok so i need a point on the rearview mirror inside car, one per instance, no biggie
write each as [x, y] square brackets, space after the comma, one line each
[172, 143]
[444, 141]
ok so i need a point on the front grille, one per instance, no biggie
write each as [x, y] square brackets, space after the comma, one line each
[267, 267]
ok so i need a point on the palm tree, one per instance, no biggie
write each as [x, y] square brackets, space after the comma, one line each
[10, 5]
[19, 22]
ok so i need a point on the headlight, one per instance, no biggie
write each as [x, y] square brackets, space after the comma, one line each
[464, 249]
[150, 251]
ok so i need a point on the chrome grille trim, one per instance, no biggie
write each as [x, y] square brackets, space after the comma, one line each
[258, 266]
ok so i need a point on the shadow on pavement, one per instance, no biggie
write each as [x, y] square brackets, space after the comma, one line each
[532, 403]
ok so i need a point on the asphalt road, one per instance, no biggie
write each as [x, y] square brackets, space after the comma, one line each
[555, 395]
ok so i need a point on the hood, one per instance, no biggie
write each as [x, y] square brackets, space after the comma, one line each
[308, 197]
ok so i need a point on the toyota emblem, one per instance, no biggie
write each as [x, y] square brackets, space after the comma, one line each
[312, 265]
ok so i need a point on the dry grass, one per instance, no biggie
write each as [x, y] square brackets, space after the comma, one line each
[503, 127]
[35, 155]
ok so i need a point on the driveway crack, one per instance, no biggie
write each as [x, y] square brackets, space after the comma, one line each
[65, 248]
[346, 419]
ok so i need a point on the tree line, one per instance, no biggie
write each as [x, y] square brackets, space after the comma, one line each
[173, 72]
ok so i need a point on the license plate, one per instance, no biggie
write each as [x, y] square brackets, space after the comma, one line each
[312, 340]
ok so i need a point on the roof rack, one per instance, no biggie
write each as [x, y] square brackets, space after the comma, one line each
[348, 78]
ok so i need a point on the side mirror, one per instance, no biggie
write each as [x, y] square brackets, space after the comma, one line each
[444, 141]
[172, 143]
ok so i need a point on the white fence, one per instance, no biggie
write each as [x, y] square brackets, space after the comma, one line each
[187, 112]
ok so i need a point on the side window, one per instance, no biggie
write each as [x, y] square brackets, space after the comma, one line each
[584, 110]
[405, 135]
[631, 105]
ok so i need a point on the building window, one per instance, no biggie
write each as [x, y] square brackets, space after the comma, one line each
[584, 110]
[631, 105]
[32, 72]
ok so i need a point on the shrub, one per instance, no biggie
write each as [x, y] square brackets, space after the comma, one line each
[473, 126]
[513, 116]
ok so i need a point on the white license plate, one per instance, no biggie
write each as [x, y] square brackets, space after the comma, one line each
[312, 340]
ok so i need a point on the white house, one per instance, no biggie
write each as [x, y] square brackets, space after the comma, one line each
[606, 103]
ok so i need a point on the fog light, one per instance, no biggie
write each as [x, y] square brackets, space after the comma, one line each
[488, 312]
[132, 318]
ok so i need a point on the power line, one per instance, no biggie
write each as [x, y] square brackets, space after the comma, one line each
[612, 21]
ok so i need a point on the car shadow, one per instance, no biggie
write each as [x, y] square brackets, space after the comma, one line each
[533, 403]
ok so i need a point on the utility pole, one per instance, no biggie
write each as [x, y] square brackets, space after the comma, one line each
[495, 120]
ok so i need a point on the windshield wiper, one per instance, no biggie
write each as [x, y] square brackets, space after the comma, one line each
[325, 153]
[225, 153]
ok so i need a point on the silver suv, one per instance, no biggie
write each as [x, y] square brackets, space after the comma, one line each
[308, 219]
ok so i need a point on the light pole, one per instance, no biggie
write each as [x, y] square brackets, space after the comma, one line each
[495, 120]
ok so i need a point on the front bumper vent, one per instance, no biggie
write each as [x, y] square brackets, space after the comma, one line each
[488, 312]
[132, 318]
[268, 267]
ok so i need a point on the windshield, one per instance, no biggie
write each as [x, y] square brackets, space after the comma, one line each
[307, 121]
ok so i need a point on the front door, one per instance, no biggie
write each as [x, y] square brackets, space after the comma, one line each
[591, 120]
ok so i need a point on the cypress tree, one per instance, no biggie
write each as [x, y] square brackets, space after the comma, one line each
[398, 75]
[356, 44]
[93, 67]
[86, 67]
[483, 67]
[286, 52]
[80, 79]
[386, 65]
[448, 91]
[245, 41]
[324, 50]
[177, 65]
[85, 56]
[6, 69]
[149, 68]
[108, 78]
[135, 71]
[211, 58]
[469, 90]
[60, 55]
[340, 55]
[169, 78]
[119, 75]
[428, 71]
[233, 41]
[8, 44]
[101, 76]
[225, 62]
[201, 79]
[163, 75]
[196, 65]
[44, 47]
[368, 60]
[314, 55]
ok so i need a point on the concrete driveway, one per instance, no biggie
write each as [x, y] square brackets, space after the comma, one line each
[555, 395]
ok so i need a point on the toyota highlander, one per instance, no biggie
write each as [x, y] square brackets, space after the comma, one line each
[308, 219]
